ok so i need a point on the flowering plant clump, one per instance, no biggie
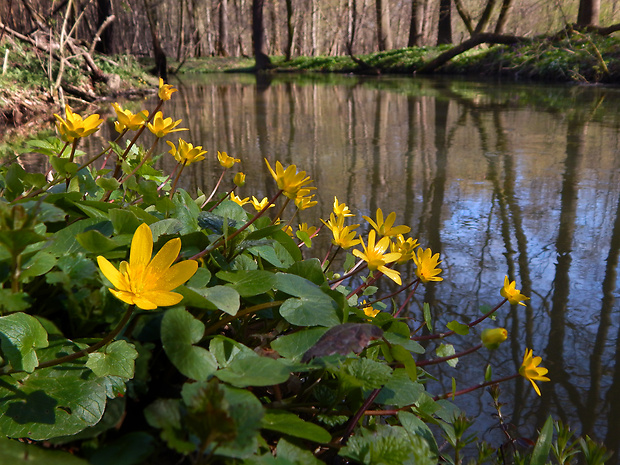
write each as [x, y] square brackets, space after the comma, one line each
[234, 342]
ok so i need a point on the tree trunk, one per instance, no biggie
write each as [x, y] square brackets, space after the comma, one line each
[258, 36]
[460, 9]
[106, 44]
[290, 29]
[221, 46]
[589, 12]
[414, 25]
[444, 26]
[503, 16]
[384, 36]
[275, 29]
[351, 25]
[161, 66]
[486, 17]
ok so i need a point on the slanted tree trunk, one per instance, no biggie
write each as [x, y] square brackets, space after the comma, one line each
[503, 16]
[384, 36]
[460, 9]
[589, 12]
[444, 26]
[486, 17]
[258, 36]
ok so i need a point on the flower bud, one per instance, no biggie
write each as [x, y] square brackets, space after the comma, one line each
[492, 338]
[239, 180]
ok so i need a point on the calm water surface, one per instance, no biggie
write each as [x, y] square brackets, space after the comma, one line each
[501, 179]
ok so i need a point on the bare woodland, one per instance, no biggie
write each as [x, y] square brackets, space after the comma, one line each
[181, 29]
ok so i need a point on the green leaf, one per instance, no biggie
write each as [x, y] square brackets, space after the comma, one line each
[124, 221]
[312, 307]
[130, 449]
[309, 269]
[95, 242]
[51, 402]
[417, 428]
[458, 328]
[296, 344]
[365, 373]
[400, 390]
[223, 297]
[179, 332]
[427, 317]
[404, 341]
[225, 350]
[20, 335]
[447, 350]
[17, 453]
[40, 263]
[200, 279]
[165, 414]
[116, 359]
[402, 355]
[543, 444]
[246, 411]
[254, 371]
[294, 454]
[108, 184]
[249, 283]
[65, 242]
[290, 424]
[386, 445]
[14, 302]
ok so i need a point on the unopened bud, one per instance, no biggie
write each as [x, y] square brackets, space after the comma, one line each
[239, 179]
[492, 338]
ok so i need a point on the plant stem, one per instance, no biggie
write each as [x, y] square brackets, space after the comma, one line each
[90, 349]
[245, 311]
[223, 240]
[470, 325]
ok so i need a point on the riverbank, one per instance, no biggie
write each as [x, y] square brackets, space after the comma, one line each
[571, 57]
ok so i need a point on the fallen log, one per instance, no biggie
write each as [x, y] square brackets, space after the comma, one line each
[482, 38]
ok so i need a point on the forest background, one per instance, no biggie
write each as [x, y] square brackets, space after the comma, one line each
[183, 29]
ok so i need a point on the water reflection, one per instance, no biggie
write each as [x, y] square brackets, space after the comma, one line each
[502, 179]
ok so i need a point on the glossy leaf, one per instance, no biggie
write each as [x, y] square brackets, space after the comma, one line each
[20, 335]
[179, 332]
[290, 424]
[116, 359]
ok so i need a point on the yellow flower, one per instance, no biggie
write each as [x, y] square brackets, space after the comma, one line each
[239, 200]
[239, 180]
[165, 90]
[288, 230]
[531, 371]
[186, 152]
[371, 312]
[73, 126]
[309, 230]
[341, 209]
[289, 180]
[513, 295]
[426, 264]
[493, 337]
[376, 258]
[404, 247]
[160, 126]
[386, 228]
[303, 200]
[127, 120]
[144, 282]
[259, 205]
[344, 236]
[225, 160]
